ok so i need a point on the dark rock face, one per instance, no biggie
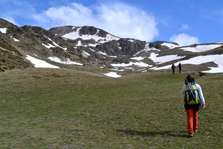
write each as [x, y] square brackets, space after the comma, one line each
[85, 30]
[122, 47]
[130, 48]
[60, 31]
[88, 30]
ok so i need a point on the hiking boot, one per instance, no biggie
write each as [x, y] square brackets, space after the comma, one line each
[191, 135]
[195, 131]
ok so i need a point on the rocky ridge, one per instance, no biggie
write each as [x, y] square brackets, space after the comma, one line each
[88, 44]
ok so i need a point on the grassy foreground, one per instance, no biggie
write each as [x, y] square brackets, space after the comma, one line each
[52, 108]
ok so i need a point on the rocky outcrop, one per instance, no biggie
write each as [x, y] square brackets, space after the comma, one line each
[10, 57]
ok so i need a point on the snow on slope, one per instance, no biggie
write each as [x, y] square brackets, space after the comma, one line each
[163, 59]
[16, 40]
[3, 30]
[170, 45]
[217, 59]
[138, 58]
[112, 74]
[75, 35]
[48, 46]
[39, 63]
[139, 64]
[56, 59]
[147, 49]
[202, 48]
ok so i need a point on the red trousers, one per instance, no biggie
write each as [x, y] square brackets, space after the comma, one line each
[192, 120]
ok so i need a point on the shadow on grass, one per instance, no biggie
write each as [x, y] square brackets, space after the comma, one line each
[154, 133]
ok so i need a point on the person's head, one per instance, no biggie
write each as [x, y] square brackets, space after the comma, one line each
[190, 79]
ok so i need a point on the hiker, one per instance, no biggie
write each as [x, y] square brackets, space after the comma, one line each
[173, 68]
[179, 67]
[193, 98]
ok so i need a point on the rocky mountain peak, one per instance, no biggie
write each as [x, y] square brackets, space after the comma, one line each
[87, 44]
[80, 31]
[5, 24]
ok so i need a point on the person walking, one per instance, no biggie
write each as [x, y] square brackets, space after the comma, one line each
[173, 68]
[179, 67]
[193, 97]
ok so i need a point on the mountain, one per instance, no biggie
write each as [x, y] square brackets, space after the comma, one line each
[31, 46]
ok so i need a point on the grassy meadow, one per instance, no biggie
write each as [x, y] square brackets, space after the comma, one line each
[63, 108]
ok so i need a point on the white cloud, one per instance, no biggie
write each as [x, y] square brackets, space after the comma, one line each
[184, 39]
[119, 19]
[184, 27]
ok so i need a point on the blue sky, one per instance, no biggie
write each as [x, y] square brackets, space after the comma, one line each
[183, 21]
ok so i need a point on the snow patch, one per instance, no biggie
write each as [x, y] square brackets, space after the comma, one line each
[137, 58]
[169, 45]
[131, 40]
[147, 49]
[202, 48]
[92, 45]
[56, 59]
[75, 35]
[3, 30]
[79, 43]
[85, 54]
[16, 40]
[48, 46]
[53, 46]
[40, 63]
[112, 74]
[139, 64]
[164, 59]
[102, 53]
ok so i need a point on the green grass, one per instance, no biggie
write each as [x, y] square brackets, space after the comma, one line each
[52, 108]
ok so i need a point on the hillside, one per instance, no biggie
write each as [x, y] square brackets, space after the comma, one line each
[64, 108]
[71, 47]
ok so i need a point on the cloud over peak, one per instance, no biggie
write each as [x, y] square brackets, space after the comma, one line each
[120, 19]
[184, 39]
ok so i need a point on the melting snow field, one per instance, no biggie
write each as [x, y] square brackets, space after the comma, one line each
[56, 59]
[202, 48]
[48, 46]
[217, 59]
[163, 59]
[140, 64]
[138, 58]
[39, 63]
[170, 45]
[75, 35]
[112, 74]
